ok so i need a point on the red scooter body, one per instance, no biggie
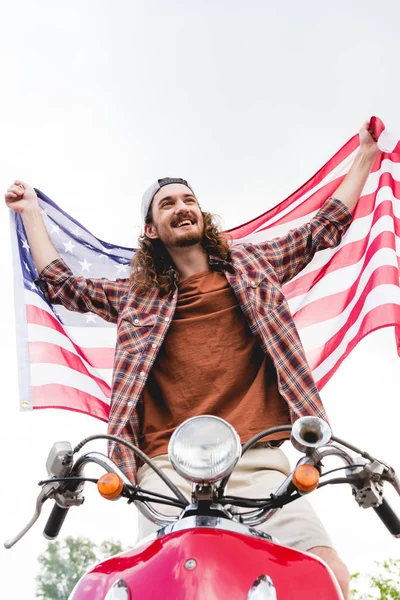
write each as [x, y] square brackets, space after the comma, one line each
[226, 566]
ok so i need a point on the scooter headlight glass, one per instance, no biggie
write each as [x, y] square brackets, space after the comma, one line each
[204, 448]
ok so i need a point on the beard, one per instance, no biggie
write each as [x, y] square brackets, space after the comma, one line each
[182, 240]
[190, 239]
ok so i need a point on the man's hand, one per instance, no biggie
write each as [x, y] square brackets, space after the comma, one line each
[368, 142]
[21, 197]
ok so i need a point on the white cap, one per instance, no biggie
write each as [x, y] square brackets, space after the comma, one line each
[153, 189]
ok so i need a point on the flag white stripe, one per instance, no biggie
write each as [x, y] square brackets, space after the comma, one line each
[42, 374]
[387, 141]
[100, 337]
[316, 335]
[41, 333]
[33, 299]
[342, 279]
[106, 375]
[24, 383]
[381, 295]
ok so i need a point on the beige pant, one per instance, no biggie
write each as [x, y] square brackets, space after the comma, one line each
[258, 474]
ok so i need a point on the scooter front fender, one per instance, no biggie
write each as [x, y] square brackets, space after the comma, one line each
[209, 564]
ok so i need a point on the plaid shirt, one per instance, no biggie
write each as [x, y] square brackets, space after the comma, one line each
[256, 274]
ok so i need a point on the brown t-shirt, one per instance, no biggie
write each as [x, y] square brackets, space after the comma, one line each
[209, 363]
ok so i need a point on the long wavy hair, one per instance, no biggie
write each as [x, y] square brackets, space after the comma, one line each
[151, 264]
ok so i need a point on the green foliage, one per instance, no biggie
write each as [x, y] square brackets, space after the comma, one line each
[382, 585]
[62, 564]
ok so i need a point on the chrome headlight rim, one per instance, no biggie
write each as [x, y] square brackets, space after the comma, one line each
[190, 476]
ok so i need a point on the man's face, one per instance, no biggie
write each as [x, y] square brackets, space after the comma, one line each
[176, 217]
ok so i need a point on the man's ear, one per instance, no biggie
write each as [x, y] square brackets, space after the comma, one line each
[150, 231]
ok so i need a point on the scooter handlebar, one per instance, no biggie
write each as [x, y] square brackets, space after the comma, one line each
[55, 522]
[388, 518]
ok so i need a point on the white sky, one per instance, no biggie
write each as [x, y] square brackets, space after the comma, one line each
[247, 101]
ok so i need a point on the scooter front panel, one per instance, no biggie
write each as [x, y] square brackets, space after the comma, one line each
[199, 564]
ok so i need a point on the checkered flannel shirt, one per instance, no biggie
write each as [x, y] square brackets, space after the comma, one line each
[256, 273]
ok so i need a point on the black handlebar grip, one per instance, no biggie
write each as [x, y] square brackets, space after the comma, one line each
[388, 518]
[55, 522]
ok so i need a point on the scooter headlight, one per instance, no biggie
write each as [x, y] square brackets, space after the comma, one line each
[204, 448]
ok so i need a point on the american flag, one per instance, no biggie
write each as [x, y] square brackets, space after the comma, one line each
[65, 358]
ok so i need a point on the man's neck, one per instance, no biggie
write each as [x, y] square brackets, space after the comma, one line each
[189, 260]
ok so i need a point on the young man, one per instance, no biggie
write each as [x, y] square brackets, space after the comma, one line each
[205, 329]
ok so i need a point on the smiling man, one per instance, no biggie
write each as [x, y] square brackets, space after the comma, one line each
[204, 328]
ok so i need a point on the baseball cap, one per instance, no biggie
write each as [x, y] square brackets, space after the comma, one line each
[153, 189]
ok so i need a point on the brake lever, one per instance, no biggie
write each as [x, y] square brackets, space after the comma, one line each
[391, 476]
[45, 493]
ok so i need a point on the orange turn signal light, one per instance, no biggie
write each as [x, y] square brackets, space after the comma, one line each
[305, 478]
[110, 486]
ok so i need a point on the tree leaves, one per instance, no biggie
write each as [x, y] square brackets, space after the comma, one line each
[384, 585]
[62, 564]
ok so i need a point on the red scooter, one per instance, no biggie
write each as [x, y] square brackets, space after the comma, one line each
[213, 550]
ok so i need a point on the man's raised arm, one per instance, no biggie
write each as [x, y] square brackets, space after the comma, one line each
[292, 252]
[22, 199]
[56, 280]
[352, 185]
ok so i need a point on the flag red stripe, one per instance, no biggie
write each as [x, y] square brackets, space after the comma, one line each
[376, 126]
[69, 398]
[44, 352]
[312, 204]
[386, 315]
[99, 358]
[322, 310]
[316, 356]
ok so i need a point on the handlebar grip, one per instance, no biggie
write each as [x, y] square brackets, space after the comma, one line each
[55, 522]
[388, 518]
